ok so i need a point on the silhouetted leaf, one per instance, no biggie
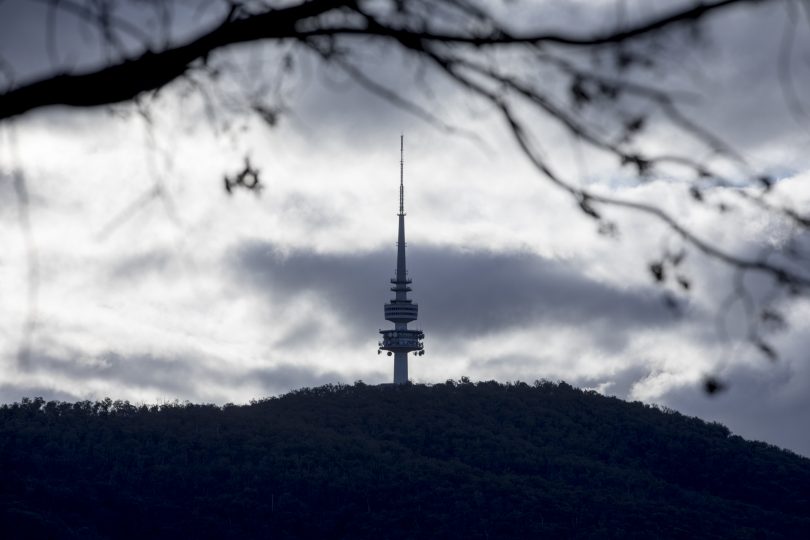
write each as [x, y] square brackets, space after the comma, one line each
[766, 181]
[712, 385]
[642, 165]
[635, 125]
[657, 270]
[624, 59]
[247, 178]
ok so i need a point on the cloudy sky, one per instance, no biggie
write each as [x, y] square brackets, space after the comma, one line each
[150, 283]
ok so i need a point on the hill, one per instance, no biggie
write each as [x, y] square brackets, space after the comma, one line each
[455, 460]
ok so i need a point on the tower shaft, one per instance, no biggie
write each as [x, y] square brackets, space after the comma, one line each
[400, 368]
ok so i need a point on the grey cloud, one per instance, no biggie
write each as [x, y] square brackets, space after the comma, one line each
[461, 293]
[12, 392]
[177, 376]
[186, 376]
[285, 377]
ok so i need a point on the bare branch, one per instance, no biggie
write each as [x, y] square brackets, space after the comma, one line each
[150, 71]
[500, 37]
[585, 198]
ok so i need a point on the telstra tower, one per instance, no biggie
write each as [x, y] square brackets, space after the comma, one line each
[400, 341]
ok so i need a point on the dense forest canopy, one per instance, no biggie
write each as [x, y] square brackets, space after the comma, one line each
[483, 460]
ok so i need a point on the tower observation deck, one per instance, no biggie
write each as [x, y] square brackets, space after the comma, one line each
[400, 341]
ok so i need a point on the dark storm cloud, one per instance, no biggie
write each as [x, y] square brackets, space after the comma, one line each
[461, 293]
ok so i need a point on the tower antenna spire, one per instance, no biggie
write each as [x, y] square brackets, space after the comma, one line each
[402, 175]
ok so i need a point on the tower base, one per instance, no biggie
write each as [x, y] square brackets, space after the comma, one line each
[400, 368]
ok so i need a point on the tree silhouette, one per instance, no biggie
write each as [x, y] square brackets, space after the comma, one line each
[565, 74]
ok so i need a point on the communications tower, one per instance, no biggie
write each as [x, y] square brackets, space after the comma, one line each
[400, 310]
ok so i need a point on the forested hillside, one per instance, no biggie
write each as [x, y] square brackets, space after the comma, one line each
[455, 460]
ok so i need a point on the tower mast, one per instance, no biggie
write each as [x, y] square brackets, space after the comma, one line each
[401, 310]
[402, 175]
